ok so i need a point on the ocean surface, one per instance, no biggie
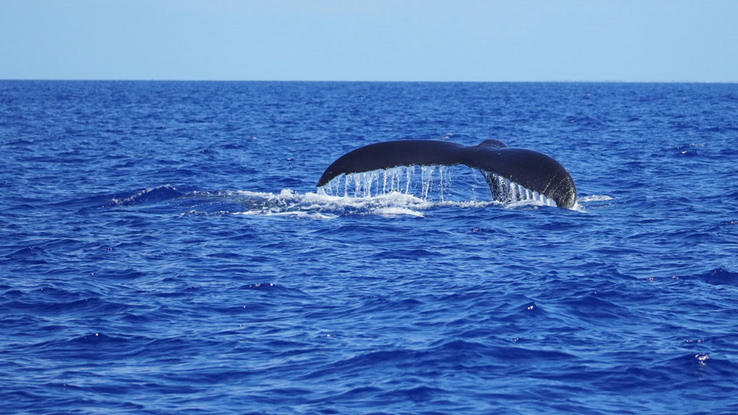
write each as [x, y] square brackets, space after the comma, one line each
[164, 249]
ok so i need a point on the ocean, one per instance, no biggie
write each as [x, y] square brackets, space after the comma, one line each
[164, 249]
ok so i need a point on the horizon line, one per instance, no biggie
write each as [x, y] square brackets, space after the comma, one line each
[354, 81]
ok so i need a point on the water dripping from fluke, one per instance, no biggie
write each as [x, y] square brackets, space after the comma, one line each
[530, 169]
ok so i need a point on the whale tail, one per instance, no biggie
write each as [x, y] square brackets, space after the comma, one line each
[533, 170]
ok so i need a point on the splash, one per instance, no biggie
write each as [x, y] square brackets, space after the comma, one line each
[401, 191]
[435, 183]
[427, 182]
[506, 191]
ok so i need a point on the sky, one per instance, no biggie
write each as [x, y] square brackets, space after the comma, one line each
[371, 40]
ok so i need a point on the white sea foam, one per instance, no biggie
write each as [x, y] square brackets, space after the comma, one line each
[401, 191]
[322, 206]
[595, 198]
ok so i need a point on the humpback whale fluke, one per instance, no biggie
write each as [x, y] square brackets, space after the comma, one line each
[530, 169]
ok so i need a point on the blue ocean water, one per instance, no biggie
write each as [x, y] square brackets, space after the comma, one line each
[164, 250]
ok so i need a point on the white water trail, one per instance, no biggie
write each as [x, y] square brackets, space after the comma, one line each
[396, 192]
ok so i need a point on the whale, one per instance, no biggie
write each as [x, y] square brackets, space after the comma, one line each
[528, 168]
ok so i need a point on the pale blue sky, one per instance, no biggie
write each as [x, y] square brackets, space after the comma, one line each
[371, 40]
